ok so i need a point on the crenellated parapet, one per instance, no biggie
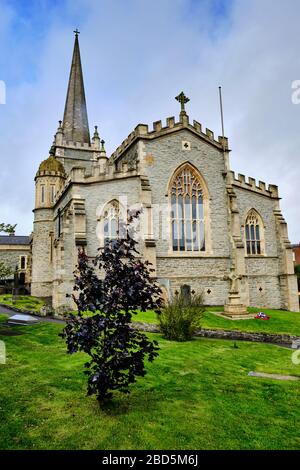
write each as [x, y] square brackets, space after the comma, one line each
[251, 184]
[70, 145]
[142, 131]
[61, 143]
[99, 173]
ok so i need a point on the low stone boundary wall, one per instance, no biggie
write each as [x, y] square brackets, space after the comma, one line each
[148, 327]
[230, 334]
[246, 336]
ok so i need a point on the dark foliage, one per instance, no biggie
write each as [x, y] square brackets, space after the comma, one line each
[105, 308]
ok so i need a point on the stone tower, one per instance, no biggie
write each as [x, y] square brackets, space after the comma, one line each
[49, 181]
[72, 148]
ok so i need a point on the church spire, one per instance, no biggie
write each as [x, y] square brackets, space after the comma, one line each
[75, 123]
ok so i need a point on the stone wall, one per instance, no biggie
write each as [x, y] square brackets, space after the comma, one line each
[129, 158]
[42, 274]
[234, 335]
[158, 159]
[10, 256]
[167, 153]
[281, 339]
[140, 172]
[204, 275]
[263, 282]
[205, 271]
[74, 157]
[266, 274]
[265, 206]
[80, 226]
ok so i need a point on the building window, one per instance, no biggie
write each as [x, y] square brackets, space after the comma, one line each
[111, 218]
[253, 233]
[187, 210]
[43, 194]
[51, 246]
[59, 222]
[52, 193]
[23, 262]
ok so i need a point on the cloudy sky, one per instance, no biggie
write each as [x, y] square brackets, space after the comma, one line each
[137, 55]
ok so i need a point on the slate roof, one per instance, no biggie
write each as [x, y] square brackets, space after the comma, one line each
[14, 240]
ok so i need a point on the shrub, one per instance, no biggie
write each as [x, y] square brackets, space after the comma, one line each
[180, 318]
[117, 351]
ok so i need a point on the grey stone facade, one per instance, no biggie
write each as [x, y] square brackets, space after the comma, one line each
[139, 173]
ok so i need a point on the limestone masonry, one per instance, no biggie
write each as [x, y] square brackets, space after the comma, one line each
[204, 228]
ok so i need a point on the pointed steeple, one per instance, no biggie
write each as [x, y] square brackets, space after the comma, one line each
[75, 123]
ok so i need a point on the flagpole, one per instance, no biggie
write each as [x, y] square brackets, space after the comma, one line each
[221, 109]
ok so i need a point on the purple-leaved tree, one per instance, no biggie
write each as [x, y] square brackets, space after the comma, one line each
[125, 286]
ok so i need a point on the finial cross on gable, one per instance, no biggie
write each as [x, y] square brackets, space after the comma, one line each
[76, 32]
[182, 100]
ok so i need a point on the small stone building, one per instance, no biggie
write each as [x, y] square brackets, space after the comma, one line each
[15, 253]
[202, 225]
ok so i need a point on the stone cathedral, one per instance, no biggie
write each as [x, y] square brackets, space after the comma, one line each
[202, 227]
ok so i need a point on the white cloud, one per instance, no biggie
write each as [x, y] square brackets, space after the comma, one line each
[137, 55]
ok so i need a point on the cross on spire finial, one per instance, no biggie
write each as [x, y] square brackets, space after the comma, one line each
[182, 100]
[76, 32]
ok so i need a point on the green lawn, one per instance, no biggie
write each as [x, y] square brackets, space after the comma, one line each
[23, 302]
[196, 395]
[280, 321]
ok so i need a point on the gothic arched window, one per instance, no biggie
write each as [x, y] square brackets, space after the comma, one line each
[187, 210]
[111, 217]
[254, 233]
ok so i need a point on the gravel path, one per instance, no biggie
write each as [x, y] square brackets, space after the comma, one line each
[10, 313]
[6, 311]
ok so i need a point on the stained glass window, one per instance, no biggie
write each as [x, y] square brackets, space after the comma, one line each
[253, 234]
[187, 211]
[111, 222]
